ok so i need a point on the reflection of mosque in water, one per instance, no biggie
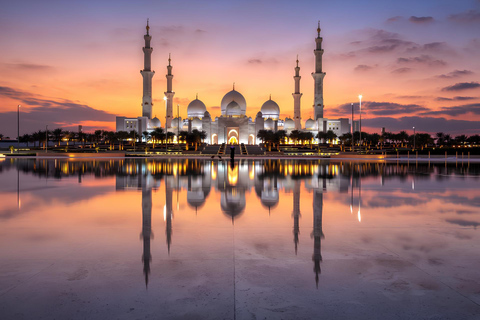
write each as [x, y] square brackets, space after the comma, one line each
[267, 178]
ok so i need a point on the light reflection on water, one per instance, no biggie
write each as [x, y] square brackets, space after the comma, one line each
[287, 208]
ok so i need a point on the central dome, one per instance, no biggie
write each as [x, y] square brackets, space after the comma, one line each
[270, 109]
[233, 109]
[233, 96]
[196, 108]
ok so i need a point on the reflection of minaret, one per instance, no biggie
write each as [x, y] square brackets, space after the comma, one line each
[169, 94]
[296, 213]
[146, 229]
[317, 233]
[318, 76]
[147, 75]
[168, 213]
[296, 99]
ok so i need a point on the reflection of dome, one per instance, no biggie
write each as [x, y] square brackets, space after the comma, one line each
[232, 203]
[196, 199]
[197, 124]
[270, 109]
[233, 96]
[310, 124]
[155, 123]
[289, 124]
[233, 109]
[196, 108]
[176, 122]
[269, 198]
[269, 124]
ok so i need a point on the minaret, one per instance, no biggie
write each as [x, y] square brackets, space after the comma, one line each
[146, 234]
[317, 233]
[296, 99]
[318, 76]
[147, 75]
[169, 93]
[296, 213]
[169, 213]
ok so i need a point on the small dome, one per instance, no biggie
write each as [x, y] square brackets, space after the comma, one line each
[176, 122]
[259, 114]
[270, 109]
[289, 124]
[310, 124]
[233, 109]
[155, 123]
[206, 114]
[269, 124]
[233, 96]
[197, 124]
[196, 108]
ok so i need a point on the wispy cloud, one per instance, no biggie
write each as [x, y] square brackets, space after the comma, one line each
[457, 98]
[420, 20]
[423, 59]
[455, 74]
[456, 110]
[381, 108]
[462, 86]
[363, 68]
[470, 16]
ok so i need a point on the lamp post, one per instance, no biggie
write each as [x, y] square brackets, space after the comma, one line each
[165, 98]
[360, 98]
[353, 128]
[18, 128]
[178, 125]
[414, 144]
[46, 138]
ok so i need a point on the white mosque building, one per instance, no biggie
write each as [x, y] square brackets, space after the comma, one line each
[232, 126]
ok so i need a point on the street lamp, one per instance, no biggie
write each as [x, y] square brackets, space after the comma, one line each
[46, 138]
[178, 125]
[18, 128]
[353, 128]
[414, 138]
[165, 98]
[360, 98]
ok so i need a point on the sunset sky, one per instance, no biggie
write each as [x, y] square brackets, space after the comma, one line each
[416, 63]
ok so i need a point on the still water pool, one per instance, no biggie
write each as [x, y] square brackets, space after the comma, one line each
[253, 239]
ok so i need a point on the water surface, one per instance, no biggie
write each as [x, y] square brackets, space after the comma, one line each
[251, 239]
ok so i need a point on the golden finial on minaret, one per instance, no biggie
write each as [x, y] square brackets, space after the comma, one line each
[148, 27]
[234, 86]
[197, 96]
[297, 60]
[270, 96]
[169, 59]
[318, 29]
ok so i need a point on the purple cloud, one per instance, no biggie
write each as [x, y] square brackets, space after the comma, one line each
[462, 86]
[363, 68]
[455, 74]
[380, 108]
[470, 16]
[457, 98]
[456, 111]
[423, 59]
[420, 20]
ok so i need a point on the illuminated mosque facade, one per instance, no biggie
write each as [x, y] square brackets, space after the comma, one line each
[233, 126]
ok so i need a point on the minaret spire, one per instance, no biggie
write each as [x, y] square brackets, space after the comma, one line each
[169, 93]
[147, 74]
[318, 76]
[296, 99]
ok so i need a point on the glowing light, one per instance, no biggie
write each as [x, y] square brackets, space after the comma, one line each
[359, 216]
[165, 213]
[351, 209]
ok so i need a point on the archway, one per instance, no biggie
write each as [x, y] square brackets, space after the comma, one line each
[251, 139]
[214, 138]
[233, 140]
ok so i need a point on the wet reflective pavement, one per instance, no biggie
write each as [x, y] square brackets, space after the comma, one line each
[267, 239]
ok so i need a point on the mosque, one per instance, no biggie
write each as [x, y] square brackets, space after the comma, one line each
[233, 126]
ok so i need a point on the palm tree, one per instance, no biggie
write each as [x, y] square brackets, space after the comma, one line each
[262, 135]
[1, 136]
[461, 139]
[330, 136]
[57, 134]
[322, 136]
[146, 135]
[295, 135]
